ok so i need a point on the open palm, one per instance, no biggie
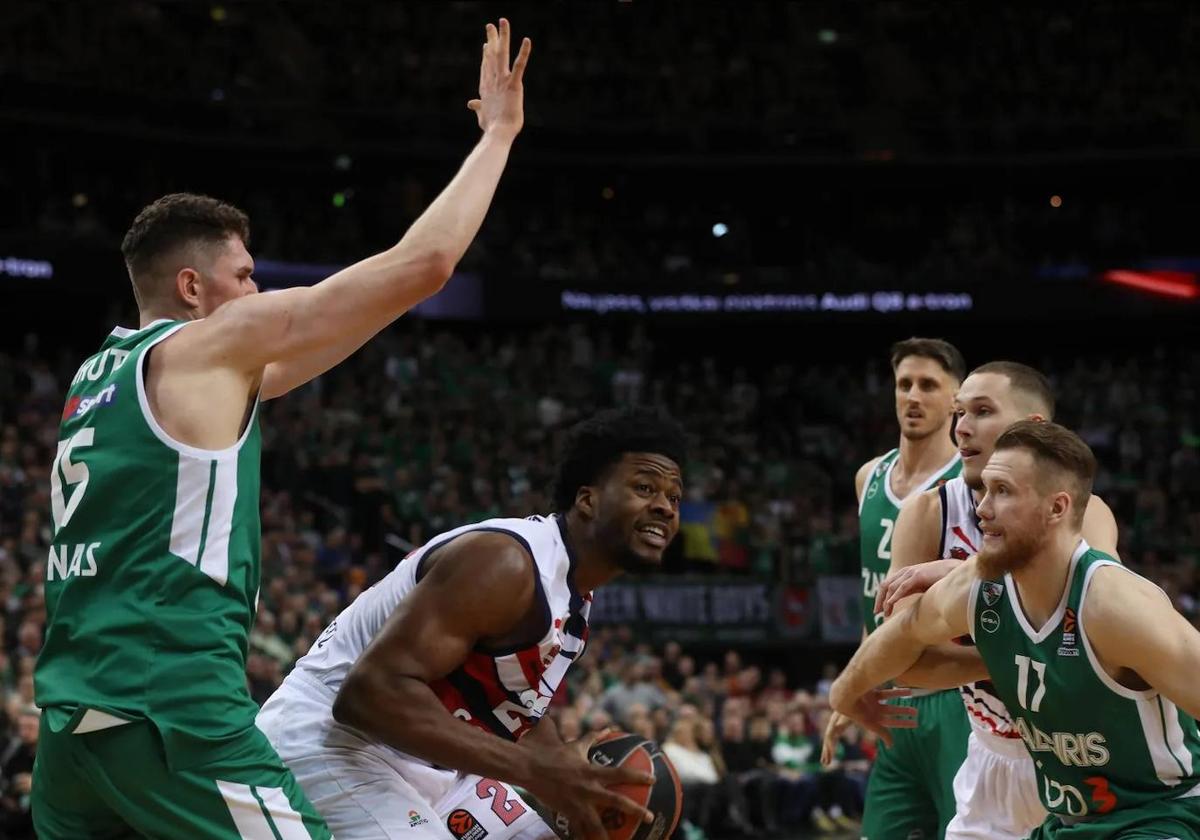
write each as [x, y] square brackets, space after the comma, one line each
[500, 107]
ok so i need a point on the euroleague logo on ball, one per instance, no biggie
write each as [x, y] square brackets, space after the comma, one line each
[464, 826]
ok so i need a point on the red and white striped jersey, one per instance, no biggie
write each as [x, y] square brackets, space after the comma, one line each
[962, 538]
[501, 691]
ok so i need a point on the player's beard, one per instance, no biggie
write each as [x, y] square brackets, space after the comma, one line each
[1018, 550]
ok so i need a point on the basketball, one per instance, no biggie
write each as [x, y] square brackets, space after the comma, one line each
[664, 798]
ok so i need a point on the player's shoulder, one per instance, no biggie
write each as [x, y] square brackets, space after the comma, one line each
[867, 469]
[1116, 593]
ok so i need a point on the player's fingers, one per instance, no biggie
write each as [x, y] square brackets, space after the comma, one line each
[475, 104]
[518, 70]
[493, 36]
[622, 776]
[898, 691]
[881, 732]
[505, 45]
[624, 803]
[886, 588]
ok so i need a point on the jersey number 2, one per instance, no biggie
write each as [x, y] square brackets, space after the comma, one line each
[508, 810]
[884, 552]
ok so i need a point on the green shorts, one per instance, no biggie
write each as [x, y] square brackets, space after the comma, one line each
[910, 792]
[115, 783]
[1171, 819]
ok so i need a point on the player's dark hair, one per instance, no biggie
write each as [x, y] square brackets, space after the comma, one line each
[173, 222]
[1026, 380]
[1057, 448]
[593, 446]
[941, 351]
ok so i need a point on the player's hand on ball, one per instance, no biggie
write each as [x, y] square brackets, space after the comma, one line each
[873, 712]
[501, 103]
[911, 580]
[565, 781]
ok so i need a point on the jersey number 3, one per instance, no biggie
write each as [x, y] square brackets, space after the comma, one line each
[74, 472]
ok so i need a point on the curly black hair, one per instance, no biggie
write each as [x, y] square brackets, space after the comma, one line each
[596, 444]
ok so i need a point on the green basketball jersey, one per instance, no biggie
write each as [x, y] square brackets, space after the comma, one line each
[153, 572]
[877, 512]
[1097, 746]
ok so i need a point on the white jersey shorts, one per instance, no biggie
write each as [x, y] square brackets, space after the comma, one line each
[366, 791]
[995, 791]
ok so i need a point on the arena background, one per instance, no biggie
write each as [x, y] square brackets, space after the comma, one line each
[729, 210]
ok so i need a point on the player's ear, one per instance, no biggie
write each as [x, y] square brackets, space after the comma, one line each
[585, 501]
[1037, 418]
[1060, 506]
[187, 286]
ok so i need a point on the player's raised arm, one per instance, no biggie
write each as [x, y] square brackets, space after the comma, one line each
[939, 615]
[301, 332]
[1133, 628]
[480, 590]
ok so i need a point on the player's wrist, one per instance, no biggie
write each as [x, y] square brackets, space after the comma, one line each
[498, 133]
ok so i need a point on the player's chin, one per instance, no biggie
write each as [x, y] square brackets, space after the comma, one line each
[642, 555]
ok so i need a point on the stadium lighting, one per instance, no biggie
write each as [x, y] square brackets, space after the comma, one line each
[720, 229]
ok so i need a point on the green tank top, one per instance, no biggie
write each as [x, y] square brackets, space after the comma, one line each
[153, 573]
[877, 512]
[1097, 746]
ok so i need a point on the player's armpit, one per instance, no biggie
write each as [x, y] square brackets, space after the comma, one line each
[1100, 526]
[918, 531]
[1132, 625]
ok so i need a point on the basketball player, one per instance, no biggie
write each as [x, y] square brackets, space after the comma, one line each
[153, 574]
[1091, 658]
[416, 707]
[996, 789]
[909, 793]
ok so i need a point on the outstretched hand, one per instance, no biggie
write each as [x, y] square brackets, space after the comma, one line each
[872, 711]
[500, 107]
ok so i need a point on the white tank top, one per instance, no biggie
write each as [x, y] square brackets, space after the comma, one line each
[962, 538]
[503, 692]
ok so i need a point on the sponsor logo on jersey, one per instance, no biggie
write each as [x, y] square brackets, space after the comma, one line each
[415, 819]
[1072, 749]
[989, 620]
[1067, 647]
[78, 406]
[67, 561]
[464, 826]
[991, 592]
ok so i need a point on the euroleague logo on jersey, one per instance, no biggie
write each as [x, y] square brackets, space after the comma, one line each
[958, 553]
[464, 826]
[1067, 648]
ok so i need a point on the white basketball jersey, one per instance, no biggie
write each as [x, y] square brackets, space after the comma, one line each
[503, 692]
[962, 538]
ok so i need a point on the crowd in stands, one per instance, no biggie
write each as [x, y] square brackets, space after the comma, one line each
[432, 427]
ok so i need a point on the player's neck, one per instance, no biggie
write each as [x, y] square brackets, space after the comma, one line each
[148, 316]
[919, 459]
[1041, 582]
[592, 569]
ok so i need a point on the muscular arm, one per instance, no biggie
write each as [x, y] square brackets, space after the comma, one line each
[1136, 633]
[481, 587]
[915, 540]
[300, 333]
[939, 615]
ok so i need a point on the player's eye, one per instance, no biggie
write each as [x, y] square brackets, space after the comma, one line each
[644, 488]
